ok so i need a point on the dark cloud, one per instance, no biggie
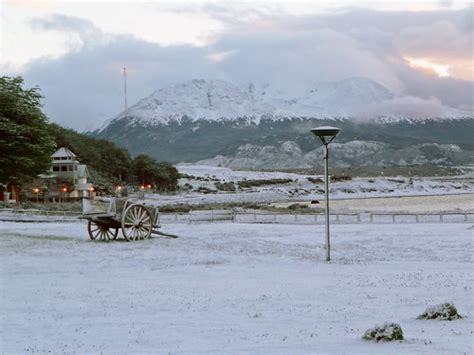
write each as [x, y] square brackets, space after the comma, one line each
[84, 87]
[60, 22]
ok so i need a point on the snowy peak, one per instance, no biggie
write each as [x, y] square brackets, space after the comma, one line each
[218, 100]
[196, 99]
[347, 96]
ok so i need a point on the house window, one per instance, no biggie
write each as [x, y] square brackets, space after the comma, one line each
[64, 168]
[75, 167]
[55, 168]
[71, 167]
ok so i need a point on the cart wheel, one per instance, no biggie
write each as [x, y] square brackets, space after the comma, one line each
[101, 232]
[136, 223]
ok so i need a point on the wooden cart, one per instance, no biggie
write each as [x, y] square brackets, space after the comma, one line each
[136, 220]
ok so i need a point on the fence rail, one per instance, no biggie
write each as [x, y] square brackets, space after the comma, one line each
[233, 216]
[342, 218]
[39, 213]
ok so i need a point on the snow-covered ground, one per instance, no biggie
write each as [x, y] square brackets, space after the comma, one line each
[301, 189]
[234, 288]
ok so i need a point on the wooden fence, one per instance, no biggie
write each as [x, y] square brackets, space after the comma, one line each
[343, 218]
[233, 216]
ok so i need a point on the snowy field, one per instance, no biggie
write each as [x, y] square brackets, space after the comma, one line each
[301, 189]
[234, 288]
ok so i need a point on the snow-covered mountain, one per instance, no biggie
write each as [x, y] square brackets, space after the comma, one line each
[217, 100]
[197, 99]
[268, 127]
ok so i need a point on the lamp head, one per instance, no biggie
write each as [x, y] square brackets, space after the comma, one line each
[326, 133]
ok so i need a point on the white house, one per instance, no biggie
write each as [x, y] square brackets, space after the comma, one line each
[66, 167]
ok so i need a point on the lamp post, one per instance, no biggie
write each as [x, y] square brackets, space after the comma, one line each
[327, 135]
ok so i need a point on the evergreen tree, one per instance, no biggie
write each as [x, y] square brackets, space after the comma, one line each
[25, 142]
[163, 175]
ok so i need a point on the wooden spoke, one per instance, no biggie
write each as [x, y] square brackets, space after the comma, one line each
[101, 232]
[136, 223]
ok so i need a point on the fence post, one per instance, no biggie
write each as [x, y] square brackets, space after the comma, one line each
[358, 217]
[337, 217]
[465, 217]
[417, 218]
[441, 217]
[371, 218]
[393, 218]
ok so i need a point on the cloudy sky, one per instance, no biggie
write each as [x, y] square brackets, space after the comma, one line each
[76, 50]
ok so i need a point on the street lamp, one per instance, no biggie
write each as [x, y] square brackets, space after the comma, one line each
[36, 191]
[327, 135]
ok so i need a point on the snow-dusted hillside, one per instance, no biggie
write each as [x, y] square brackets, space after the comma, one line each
[248, 126]
[217, 100]
[305, 188]
[195, 99]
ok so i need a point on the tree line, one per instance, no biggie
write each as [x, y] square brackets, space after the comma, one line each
[27, 140]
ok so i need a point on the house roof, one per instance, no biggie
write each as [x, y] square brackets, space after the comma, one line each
[82, 171]
[63, 152]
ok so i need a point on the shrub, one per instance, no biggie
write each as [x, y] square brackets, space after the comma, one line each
[315, 180]
[335, 178]
[187, 186]
[226, 186]
[385, 332]
[184, 208]
[250, 183]
[444, 311]
[205, 190]
[297, 206]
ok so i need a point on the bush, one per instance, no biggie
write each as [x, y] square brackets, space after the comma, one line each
[385, 332]
[205, 190]
[315, 180]
[297, 206]
[250, 183]
[187, 186]
[226, 186]
[179, 208]
[444, 311]
[336, 178]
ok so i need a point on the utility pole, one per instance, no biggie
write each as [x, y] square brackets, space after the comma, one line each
[126, 107]
[125, 89]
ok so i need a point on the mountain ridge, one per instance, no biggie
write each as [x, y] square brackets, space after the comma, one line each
[218, 100]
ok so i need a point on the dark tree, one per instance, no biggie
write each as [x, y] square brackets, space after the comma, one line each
[25, 142]
[163, 175]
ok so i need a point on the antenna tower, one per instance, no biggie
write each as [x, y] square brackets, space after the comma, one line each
[125, 102]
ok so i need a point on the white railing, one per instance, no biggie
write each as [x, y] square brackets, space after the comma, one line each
[39, 213]
[295, 218]
[269, 217]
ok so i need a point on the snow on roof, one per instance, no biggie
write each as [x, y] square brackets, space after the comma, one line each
[82, 171]
[63, 152]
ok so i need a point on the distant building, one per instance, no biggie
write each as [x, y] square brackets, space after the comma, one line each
[64, 163]
[66, 180]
